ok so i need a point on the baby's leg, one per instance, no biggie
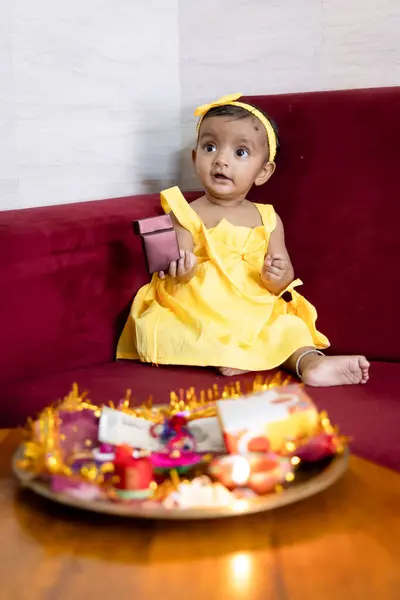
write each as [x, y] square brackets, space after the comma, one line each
[324, 371]
[321, 371]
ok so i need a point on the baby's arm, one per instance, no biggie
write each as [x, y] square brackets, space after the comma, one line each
[184, 268]
[277, 271]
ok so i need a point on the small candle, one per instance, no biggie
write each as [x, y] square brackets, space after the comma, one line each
[135, 474]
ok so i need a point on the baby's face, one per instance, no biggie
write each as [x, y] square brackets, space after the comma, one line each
[231, 154]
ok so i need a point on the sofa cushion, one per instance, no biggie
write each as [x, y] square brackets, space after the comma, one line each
[370, 413]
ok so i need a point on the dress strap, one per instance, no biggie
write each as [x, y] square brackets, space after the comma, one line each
[268, 216]
[172, 200]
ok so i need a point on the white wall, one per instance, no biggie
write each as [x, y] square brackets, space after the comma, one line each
[278, 46]
[97, 96]
[89, 99]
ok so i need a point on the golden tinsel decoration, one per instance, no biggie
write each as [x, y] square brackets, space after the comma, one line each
[42, 452]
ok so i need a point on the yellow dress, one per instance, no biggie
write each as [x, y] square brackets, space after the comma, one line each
[224, 316]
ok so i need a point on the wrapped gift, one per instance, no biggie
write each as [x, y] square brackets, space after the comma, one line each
[159, 242]
[275, 420]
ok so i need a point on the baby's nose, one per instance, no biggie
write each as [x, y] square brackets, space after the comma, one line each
[221, 160]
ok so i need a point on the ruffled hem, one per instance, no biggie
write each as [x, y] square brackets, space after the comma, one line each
[248, 363]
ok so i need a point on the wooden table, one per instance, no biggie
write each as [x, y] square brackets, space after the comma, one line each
[342, 544]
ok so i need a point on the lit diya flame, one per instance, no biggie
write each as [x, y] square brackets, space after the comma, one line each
[241, 471]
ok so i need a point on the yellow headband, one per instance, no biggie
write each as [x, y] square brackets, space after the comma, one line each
[230, 100]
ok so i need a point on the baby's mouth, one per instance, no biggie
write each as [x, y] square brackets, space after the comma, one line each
[221, 177]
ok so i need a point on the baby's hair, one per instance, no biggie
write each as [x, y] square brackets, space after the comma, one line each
[237, 112]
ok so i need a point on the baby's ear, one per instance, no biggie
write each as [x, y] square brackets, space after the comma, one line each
[194, 154]
[266, 172]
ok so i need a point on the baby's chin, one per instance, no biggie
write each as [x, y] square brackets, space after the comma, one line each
[221, 189]
[221, 194]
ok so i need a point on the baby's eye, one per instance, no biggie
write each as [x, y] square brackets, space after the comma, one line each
[210, 147]
[242, 153]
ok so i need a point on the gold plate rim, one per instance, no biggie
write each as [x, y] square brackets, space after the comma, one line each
[314, 485]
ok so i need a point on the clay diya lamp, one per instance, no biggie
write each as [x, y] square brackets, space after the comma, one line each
[258, 472]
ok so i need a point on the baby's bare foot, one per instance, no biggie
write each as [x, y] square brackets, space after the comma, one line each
[324, 371]
[228, 372]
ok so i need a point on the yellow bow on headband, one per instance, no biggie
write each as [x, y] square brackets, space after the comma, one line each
[204, 108]
[231, 100]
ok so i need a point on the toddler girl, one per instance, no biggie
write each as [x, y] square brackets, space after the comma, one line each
[223, 304]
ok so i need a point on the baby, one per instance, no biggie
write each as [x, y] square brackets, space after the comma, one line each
[230, 301]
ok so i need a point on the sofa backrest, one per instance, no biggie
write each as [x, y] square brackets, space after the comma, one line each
[67, 276]
[337, 190]
[68, 273]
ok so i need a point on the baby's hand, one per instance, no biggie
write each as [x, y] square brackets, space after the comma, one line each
[182, 268]
[275, 269]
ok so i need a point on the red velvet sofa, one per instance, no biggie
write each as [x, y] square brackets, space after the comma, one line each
[68, 273]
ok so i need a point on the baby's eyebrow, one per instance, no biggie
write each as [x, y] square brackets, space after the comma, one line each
[207, 134]
[247, 142]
